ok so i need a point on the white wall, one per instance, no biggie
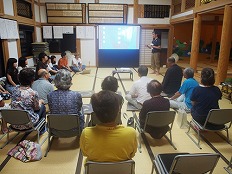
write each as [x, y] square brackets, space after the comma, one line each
[43, 14]
[37, 16]
[88, 48]
[57, 1]
[130, 15]
[156, 2]
[12, 46]
[38, 34]
[117, 2]
[153, 21]
[8, 7]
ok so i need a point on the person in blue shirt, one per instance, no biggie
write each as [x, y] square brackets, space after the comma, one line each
[181, 99]
[205, 97]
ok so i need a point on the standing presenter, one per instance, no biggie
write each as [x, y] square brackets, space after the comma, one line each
[155, 56]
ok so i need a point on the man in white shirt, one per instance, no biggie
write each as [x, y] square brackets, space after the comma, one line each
[77, 64]
[138, 93]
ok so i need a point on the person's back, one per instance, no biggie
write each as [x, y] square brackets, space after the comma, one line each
[42, 85]
[107, 142]
[111, 144]
[172, 79]
[156, 103]
[138, 92]
[63, 100]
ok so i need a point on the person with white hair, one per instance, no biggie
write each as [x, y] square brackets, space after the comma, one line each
[63, 100]
[181, 99]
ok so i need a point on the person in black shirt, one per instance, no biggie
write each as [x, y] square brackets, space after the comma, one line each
[155, 56]
[41, 64]
[172, 78]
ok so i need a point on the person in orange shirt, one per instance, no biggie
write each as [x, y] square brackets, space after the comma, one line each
[63, 62]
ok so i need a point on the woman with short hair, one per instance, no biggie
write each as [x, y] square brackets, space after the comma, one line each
[25, 98]
[205, 97]
[63, 100]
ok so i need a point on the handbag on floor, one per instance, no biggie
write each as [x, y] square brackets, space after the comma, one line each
[182, 119]
[26, 151]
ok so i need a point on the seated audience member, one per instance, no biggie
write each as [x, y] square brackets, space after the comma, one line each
[25, 98]
[138, 92]
[107, 142]
[205, 97]
[63, 62]
[11, 74]
[3, 105]
[181, 99]
[53, 62]
[156, 103]
[4, 93]
[77, 64]
[51, 69]
[41, 64]
[22, 63]
[172, 78]
[42, 85]
[111, 83]
[63, 100]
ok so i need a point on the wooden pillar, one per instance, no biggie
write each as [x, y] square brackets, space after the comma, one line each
[183, 4]
[5, 49]
[195, 41]
[170, 40]
[136, 9]
[225, 46]
[197, 3]
[214, 38]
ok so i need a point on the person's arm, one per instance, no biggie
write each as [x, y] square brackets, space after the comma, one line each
[176, 95]
[135, 145]
[10, 80]
[2, 90]
[166, 78]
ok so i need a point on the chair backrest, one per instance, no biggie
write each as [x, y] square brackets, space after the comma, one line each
[95, 120]
[16, 117]
[123, 167]
[63, 125]
[159, 118]
[219, 116]
[194, 163]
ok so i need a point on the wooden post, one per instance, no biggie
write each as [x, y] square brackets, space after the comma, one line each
[183, 4]
[197, 3]
[135, 18]
[195, 42]
[225, 46]
[214, 38]
[170, 40]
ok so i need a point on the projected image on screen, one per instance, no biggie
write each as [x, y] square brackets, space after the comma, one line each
[118, 45]
[119, 37]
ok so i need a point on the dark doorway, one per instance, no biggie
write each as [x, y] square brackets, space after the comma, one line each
[2, 67]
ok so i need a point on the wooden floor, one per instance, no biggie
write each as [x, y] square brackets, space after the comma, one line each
[65, 157]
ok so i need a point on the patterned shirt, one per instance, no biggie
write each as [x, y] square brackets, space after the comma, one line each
[24, 98]
[66, 102]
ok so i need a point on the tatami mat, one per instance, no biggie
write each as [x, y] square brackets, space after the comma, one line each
[64, 154]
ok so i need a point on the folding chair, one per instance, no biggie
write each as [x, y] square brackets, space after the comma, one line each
[159, 119]
[20, 117]
[217, 117]
[229, 167]
[183, 163]
[123, 167]
[62, 126]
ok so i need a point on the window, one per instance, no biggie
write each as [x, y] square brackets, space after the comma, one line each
[24, 9]
[26, 38]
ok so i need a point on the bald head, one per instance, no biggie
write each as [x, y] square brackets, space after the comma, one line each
[42, 73]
